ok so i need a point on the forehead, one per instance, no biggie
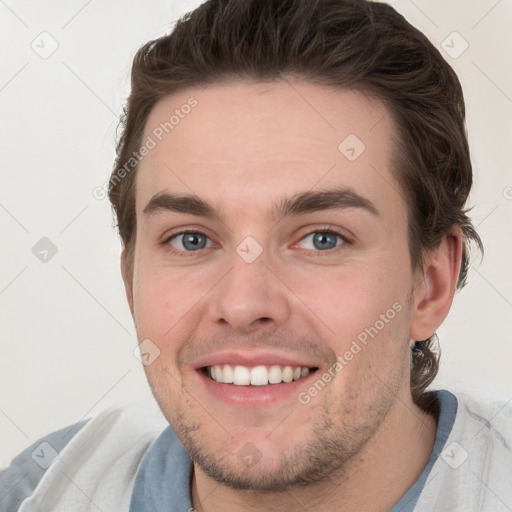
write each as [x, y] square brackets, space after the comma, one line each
[246, 143]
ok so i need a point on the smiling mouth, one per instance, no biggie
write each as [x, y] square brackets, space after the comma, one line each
[238, 375]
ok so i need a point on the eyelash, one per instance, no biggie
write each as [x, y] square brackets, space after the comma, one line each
[326, 230]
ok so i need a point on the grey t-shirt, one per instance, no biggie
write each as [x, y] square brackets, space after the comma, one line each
[19, 480]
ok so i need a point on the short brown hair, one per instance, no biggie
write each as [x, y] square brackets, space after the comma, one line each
[356, 44]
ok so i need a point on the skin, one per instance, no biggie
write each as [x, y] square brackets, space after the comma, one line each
[361, 442]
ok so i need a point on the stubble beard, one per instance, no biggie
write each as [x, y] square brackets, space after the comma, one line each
[325, 456]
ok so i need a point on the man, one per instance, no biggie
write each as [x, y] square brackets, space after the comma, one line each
[290, 186]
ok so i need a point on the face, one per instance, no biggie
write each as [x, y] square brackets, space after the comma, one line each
[272, 277]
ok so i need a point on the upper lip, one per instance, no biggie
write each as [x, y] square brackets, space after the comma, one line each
[252, 358]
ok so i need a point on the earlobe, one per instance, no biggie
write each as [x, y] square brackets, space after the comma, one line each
[433, 295]
[127, 274]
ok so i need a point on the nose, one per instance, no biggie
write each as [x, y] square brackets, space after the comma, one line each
[251, 296]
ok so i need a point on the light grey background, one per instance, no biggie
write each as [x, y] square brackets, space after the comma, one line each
[66, 334]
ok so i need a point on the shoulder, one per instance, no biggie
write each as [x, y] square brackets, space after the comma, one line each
[21, 477]
[483, 430]
[115, 439]
[474, 468]
[486, 413]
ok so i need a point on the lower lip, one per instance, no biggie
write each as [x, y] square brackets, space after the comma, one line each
[254, 396]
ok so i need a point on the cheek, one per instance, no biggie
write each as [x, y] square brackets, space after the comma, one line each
[365, 311]
[164, 298]
[160, 309]
[350, 299]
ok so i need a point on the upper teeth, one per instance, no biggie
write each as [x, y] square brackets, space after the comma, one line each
[256, 376]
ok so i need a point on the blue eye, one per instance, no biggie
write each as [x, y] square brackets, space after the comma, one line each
[189, 241]
[325, 240]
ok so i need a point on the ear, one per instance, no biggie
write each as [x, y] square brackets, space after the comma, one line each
[127, 274]
[435, 287]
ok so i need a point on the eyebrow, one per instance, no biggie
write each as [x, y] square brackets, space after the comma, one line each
[300, 203]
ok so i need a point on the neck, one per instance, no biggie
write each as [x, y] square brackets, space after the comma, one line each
[373, 479]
